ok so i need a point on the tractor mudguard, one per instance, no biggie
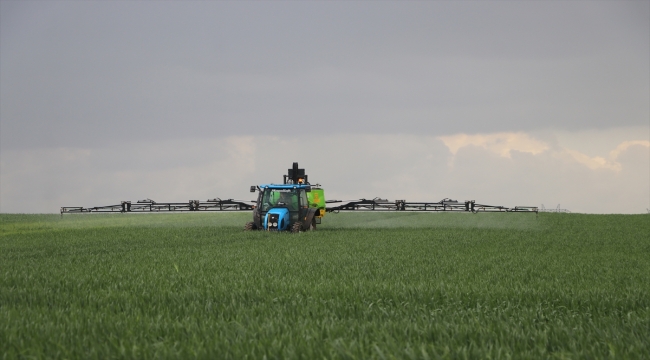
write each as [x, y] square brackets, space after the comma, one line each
[309, 217]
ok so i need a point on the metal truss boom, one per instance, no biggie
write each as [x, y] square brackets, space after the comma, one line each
[149, 205]
[375, 204]
[378, 204]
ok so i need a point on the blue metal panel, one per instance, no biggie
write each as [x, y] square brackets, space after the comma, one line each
[281, 221]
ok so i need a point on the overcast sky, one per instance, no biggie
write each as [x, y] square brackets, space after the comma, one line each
[509, 103]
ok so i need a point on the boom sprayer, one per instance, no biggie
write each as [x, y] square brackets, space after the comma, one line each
[295, 205]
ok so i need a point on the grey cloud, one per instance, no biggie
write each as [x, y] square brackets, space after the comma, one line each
[103, 74]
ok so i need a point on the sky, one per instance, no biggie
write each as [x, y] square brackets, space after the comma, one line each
[506, 103]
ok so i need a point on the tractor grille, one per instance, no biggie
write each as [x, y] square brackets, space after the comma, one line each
[273, 222]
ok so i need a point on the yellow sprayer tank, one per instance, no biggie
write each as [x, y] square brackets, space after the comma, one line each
[316, 199]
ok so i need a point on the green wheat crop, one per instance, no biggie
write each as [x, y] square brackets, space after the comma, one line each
[364, 285]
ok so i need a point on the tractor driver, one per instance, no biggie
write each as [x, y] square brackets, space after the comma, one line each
[289, 199]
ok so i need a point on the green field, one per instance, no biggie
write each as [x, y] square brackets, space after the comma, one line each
[364, 285]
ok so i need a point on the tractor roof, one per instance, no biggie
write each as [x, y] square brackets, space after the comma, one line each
[285, 186]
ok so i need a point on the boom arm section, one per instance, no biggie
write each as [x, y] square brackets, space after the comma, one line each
[149, 205]
[378, 204]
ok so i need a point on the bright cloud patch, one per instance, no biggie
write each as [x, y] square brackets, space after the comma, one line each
[625, 145]
[500, 143]
[610, 163]
[595, 162]
[504, 143]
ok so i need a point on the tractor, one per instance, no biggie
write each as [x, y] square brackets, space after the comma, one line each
[293, 206]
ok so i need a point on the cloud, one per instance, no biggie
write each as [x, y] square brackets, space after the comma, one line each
[171, 70]
[610, 163]
[500, 143]
[42, 180]
[622, 147]
[504, 143]
[498, 169]
[552, 177]
[595, 162]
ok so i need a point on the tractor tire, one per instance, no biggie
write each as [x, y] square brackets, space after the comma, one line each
[250, 226]
[295, 228]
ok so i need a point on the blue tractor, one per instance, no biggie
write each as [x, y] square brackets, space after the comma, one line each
[293, 206]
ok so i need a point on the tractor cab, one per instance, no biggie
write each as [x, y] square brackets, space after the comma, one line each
[295, 205]
[281, 206]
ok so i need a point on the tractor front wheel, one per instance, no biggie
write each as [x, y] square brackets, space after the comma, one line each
[295, 228]
[250, 226]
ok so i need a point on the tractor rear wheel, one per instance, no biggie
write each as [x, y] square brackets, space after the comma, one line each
[295, 228]
[249, 226]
